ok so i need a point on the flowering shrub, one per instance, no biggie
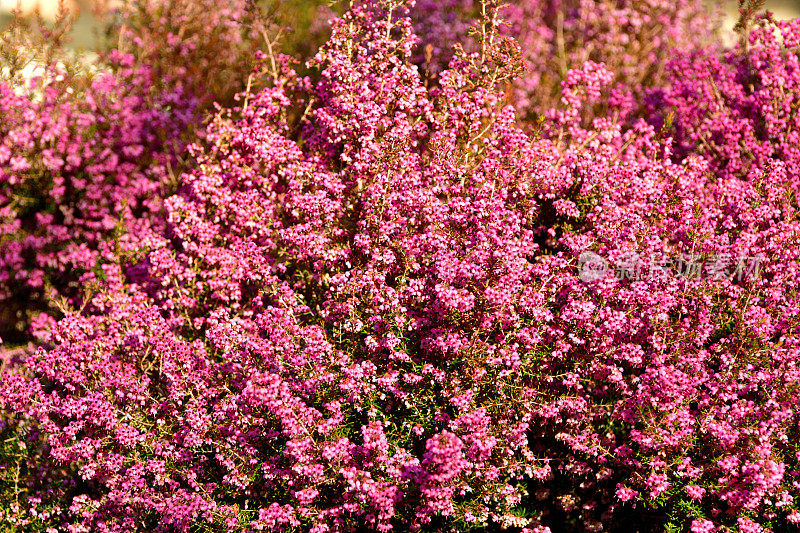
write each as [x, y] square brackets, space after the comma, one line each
[635, 39]
[203, 48]
[86, 154]
[368, 308]
[81, 153]
[739, 109]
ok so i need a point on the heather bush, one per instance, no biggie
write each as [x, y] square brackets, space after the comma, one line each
[171, 60]
[204, 48]
[740, 109]
[634, 39]
[89, 146]
[84, 153]
[367, 308]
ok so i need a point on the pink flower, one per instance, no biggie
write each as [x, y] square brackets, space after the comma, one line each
[702, 526]
[625, 494]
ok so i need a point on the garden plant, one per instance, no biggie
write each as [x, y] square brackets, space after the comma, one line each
[460, 266]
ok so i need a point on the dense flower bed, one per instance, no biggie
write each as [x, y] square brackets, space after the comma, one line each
[381, 298]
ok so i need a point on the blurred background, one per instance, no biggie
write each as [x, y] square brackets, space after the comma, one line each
[86, 25]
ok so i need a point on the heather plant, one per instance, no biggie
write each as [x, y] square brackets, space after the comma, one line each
[740, 109]
[165, 56]
[203, 48]
[634, 39]
[84, 154]
[384, 77]
[89, 145]
[75, 147]
[366, 308]
[208, 49]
